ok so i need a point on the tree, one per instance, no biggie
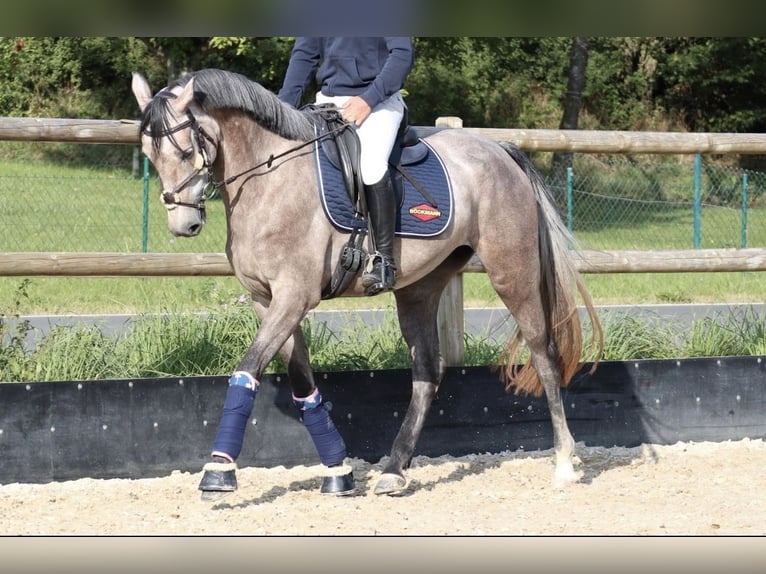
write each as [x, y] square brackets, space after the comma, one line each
[70, 76]
[488, 82]
[578, 63]
[716, 84]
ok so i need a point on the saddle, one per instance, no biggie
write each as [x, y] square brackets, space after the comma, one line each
[340, 144]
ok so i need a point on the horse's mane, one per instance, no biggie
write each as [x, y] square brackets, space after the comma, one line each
[219, 89]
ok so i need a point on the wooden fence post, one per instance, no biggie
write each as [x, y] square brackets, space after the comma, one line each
[450, 317]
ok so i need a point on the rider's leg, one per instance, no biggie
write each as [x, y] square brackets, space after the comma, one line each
[377, 136]
[382, 222]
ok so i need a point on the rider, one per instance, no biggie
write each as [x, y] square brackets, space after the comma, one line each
[363, 77]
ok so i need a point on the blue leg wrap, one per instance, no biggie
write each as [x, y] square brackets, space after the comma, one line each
[237, 408]
[327, 439]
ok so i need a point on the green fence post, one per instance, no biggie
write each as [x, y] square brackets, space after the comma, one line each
[145, 225]
[697, 200]
[743, 242]
[570, 200]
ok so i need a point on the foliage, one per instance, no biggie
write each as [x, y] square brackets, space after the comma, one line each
[645, 83]
[13, 354]
[630, 337]
[734, 334]
[488, 82]
[261, 59]
[71, 77]
[715, 84]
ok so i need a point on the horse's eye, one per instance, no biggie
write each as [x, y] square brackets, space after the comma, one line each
[186, 154]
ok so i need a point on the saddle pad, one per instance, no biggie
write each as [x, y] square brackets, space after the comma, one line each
[417, 218]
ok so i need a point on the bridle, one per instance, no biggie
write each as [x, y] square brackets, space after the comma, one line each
[202, 164]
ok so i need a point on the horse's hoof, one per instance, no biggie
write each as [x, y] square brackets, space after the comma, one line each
[213, 495]
[565, 477]
[218, 480]
[342, 485]
[390, 483]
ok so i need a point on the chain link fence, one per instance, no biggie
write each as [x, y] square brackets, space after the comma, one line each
[618, 202]
[55, 198]
[83, 198]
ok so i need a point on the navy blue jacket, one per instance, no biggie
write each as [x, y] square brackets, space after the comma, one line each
[372, 68]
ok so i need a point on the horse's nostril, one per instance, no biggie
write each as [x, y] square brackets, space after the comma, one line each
[195, 229]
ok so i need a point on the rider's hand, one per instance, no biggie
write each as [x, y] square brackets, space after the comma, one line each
[355, 110]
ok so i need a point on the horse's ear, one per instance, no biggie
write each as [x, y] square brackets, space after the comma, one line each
[141, 90]
[184, 99]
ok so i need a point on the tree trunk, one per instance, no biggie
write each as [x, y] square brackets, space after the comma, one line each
[578, 63]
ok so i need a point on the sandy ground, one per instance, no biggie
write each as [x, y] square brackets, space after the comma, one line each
[682, 489]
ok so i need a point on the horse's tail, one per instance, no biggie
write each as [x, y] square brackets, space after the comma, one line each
[559, 285]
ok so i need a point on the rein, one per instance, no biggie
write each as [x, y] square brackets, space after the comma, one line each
[273, 157]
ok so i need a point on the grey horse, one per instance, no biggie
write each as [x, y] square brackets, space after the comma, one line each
[218, 128]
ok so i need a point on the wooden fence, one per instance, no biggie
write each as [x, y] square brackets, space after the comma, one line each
[104, 264]
[451, 310]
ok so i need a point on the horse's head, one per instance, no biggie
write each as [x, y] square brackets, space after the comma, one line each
[181, 141]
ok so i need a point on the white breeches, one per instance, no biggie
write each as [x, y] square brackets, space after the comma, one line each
[377, 134]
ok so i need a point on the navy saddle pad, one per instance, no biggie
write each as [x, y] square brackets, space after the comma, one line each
[417, 218]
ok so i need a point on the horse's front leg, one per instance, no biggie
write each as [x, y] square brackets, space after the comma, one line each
[315, 415]
[417, 308]
[279, 331]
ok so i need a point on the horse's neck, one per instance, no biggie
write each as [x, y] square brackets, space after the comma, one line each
[280, 192]
[276, 224]
[260, 161]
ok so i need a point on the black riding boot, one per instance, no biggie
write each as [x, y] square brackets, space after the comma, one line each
[381, 205]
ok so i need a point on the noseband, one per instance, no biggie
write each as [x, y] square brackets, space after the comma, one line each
[202, 165]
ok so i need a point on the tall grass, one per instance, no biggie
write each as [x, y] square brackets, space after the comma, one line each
[212, 344]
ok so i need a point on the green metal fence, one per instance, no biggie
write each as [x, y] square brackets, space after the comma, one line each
[616, 202]
[53, 198]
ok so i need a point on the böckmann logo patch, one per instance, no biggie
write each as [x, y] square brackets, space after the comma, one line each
[425, 212]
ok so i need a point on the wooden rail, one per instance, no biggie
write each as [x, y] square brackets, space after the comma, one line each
[67, 264]
[69, 131]
[582, 141]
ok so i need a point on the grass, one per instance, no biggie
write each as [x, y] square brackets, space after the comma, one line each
[61, 206]
[74, 295]
[204, 344]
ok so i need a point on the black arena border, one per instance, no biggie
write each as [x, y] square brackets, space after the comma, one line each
[140, 428]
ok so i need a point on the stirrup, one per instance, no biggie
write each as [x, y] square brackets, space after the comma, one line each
[382, 276]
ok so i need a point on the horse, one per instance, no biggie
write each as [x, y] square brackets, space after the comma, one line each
[217, 129]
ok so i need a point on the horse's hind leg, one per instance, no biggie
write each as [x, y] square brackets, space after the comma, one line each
[546, 365]
[544, 357]
[417, 318]
[417, 307]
